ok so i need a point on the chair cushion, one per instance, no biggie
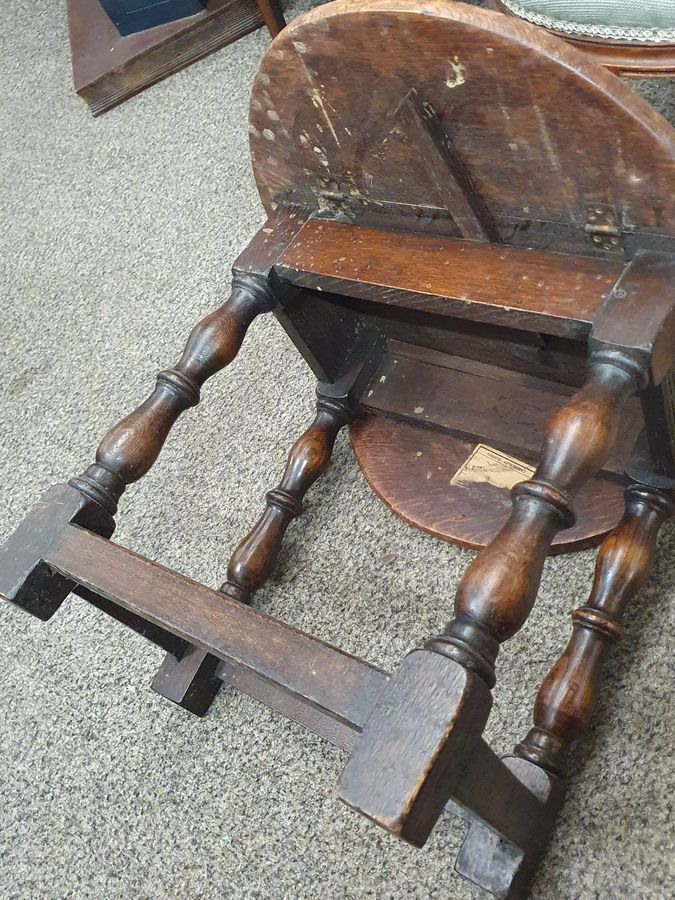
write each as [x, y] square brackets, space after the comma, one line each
[633, 21]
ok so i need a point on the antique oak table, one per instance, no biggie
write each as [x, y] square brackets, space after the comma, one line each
[471, 241]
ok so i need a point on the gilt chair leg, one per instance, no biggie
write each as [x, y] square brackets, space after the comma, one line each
[191, 681]
[568, 694]
[126, 452]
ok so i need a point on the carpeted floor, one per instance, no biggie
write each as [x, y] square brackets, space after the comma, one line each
[117, 235]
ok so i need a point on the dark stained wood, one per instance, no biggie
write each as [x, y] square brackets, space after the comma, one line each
[457, 250]
[639, 313]
[25, 579]
[188, 677]
[500, 586]
[190, 680]
[331, 728]
[448, 171]
[252, 562]
[628, 60]
[526, 289]
[426, 694]
[432, 715]
[510, 96]
[498, 866]
[324, 340]
[148, 630]
[337, 689]
[553, 359]
[266, 246]
[446, 405]
[108, 68]
[418, 487]
[329, 679]
[272, 14]
[631, 61]
[477, 400]
[569, 693]
[130, 448]
[658, 406]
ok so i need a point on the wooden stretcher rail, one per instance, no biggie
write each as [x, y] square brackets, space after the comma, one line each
[293, 706]
[314, 684]
[330, 681]
[532, 290]
[460, 396]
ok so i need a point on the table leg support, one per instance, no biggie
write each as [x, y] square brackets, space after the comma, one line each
[191, 681]
[499, 866]
[569, 693]
[126, 453]
[499, 588]
[273, 16]
[130, 448]
[434, 741]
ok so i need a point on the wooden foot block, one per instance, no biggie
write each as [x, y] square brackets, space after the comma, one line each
[415, 747]
[190, 681]
[26, 579]
[497, 865]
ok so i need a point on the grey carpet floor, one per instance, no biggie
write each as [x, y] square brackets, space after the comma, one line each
[117, 235]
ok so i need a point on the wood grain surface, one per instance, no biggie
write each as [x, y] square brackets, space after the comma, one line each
[528, 289]
[541, 130]
[417, 487]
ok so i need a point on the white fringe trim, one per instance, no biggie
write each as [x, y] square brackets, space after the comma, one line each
[615, 33]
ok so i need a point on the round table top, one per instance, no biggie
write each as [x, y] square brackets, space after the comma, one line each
[543, 132]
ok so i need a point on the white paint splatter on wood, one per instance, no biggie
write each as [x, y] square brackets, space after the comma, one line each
[458, 74]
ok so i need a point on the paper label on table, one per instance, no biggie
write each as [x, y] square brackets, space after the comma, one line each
[489, 466]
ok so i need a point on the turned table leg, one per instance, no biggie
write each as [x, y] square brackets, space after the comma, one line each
[569, 693]
[439, 700]
[126, 452]
[130, 448]
[191, 681]
[499, 588]
[253, 560]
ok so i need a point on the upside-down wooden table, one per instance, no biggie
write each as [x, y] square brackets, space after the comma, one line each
[470, 233]
[632, 58]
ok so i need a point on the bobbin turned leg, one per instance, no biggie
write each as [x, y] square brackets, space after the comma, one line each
[191, 681]
[569, 693]
[127, 451]
[130, 448]
[500, 586]
[492, 603]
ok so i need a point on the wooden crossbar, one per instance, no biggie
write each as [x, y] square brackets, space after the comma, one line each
[313, 683]
[534, 290]
[331, 682]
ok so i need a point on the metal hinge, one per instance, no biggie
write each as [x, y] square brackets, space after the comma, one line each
[603, 226]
